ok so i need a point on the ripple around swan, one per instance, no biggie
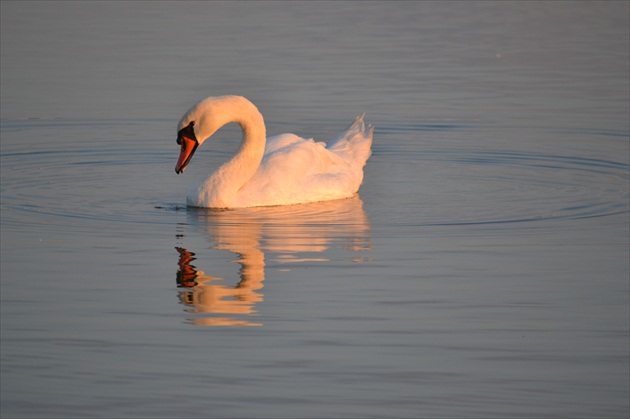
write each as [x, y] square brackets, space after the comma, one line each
[453, 185]
[115, 181]
[526, 186]
[63, 173]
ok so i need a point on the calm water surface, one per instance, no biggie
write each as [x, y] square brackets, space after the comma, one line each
[482, 271]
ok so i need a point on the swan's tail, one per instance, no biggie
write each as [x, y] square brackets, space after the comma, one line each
[355, 144]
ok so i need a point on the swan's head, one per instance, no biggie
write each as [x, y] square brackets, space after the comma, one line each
[200, 122]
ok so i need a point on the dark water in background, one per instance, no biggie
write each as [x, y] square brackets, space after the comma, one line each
[481, 272]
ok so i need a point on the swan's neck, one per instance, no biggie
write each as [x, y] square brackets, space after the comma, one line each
[235, 173]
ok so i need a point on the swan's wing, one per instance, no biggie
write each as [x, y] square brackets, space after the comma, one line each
[299, 171]
[296, 157]
[277, 142]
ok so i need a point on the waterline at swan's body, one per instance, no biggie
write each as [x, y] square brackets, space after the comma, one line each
[279, 170]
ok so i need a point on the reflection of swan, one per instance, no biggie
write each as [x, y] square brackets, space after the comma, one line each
[284, 234]
[281, 170]
[208, 296]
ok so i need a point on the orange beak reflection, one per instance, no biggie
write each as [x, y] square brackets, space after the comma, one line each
[208, 294]
[187, 273]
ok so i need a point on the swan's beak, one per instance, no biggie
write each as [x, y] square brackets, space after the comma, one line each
[188, 149]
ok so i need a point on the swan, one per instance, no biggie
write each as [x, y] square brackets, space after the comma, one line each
[280, 170]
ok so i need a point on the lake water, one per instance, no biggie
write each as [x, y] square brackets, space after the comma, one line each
[482, 271]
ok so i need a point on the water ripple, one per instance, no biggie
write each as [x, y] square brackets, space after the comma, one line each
[453, 186]
[122, 181]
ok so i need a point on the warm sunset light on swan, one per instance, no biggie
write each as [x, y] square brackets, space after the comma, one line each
[280, 170]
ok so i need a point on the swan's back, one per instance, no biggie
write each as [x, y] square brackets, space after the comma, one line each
[297, 170]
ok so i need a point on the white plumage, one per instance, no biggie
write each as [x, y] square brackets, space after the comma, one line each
[281, 170]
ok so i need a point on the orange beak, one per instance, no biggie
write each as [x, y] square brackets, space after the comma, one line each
[188, 141]
[188, 149]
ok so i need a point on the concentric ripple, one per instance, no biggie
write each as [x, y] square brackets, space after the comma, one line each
[63, 181]
[59, 173]
[432, 176]
[505, 187]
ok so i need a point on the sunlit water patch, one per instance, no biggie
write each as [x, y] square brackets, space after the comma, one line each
[258, 239]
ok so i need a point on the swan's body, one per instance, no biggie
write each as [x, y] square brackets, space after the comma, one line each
[281, 170]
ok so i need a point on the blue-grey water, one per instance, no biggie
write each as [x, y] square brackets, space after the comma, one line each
[482, 271]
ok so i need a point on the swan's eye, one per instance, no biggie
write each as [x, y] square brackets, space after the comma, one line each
[187, 131]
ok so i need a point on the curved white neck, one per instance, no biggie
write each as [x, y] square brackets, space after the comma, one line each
[233, 174]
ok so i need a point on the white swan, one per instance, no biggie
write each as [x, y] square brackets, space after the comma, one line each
[281, 170]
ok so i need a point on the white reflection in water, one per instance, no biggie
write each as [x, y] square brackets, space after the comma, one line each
[289, 233]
